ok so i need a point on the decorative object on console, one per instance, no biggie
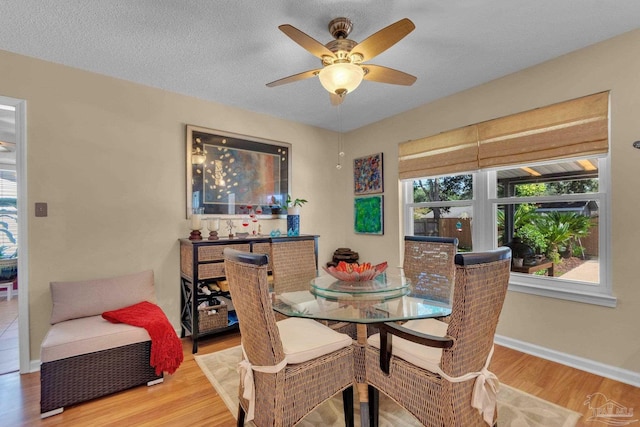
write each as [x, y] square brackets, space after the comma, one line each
[196, 224]
[230, 227]
[354, 272]
[293, 215]
[213, 224]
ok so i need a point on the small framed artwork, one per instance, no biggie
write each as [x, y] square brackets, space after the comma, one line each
[367, 174]
[369, 215]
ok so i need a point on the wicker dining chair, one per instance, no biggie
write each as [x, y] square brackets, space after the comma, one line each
[296, 364]
[430, 367]
[294, 266]
[428, 264]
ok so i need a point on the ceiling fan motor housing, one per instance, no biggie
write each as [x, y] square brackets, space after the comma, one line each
[340, 28]
[341, 49]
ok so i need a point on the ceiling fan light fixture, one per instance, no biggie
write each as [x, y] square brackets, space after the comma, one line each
[341, 78]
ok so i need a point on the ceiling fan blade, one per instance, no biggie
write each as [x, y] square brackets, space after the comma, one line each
[309, 43]
[378, 42]
[378, 73]
[336, 99]
[294, 78]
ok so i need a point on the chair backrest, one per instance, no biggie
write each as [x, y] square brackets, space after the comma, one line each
[293, 263]
[428, 264]
[247, 276]
[481, 285]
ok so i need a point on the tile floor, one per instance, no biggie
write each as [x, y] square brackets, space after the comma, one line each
[9, 353]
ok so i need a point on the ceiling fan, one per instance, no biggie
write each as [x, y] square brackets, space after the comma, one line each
[343, 59]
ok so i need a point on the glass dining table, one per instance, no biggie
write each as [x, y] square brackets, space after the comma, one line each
[387, 298]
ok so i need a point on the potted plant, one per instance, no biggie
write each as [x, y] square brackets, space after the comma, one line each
[293, 215]
[8, 254]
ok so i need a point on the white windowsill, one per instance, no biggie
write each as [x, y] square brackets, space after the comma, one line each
[566, 294]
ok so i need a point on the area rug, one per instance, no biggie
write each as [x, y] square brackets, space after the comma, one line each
[515, 408]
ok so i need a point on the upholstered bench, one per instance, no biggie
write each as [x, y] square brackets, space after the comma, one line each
[84, 356]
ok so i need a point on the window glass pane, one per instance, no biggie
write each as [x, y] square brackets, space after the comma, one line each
[574, 177]
[446, 188]
[566, 233]
[451, 221]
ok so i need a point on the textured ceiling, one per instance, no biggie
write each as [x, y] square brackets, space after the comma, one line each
[227, 50]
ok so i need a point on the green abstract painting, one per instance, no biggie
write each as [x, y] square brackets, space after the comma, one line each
[368, 215]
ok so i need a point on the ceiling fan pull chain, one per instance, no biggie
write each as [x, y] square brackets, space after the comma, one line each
[340, 150]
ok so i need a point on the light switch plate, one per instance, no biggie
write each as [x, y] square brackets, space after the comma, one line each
[41, 209]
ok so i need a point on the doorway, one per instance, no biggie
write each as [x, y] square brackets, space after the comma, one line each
[14, 327]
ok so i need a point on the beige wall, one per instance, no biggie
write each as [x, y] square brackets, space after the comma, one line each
[607, 335]
[108, 156]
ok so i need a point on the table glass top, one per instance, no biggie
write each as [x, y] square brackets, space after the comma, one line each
[387, 298]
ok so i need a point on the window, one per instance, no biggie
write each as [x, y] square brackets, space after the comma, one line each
[555, 209]
[441, 206]
[540, 186]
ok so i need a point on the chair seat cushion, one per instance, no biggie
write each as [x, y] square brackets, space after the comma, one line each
[304, 301]
[420, 355]
[306, 339]
[87, 335]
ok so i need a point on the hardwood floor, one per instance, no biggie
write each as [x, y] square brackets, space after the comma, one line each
[188, 399]
[9, 352]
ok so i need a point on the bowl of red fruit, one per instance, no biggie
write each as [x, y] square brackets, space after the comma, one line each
[354, 272]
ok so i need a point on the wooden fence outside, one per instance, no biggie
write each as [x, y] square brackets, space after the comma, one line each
[448, 227]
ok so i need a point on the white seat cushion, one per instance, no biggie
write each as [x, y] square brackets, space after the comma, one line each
[306, 339]
[420, 355]
[304, 301]
[87, 335]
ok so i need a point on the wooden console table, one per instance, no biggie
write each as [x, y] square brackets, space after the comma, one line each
[530, 269]
[201, 263]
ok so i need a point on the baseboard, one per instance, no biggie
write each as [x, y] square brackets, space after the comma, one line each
[591, 366]
[587, 365]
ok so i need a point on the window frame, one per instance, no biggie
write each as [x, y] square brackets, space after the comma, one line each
[485, 206]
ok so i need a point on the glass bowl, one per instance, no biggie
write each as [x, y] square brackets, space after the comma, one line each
[356, 272]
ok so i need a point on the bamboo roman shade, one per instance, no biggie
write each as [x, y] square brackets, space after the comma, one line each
[445, 153]
[574, 128]
[579, 127]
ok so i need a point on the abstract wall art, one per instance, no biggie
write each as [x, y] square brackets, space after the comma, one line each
[369, 215]
[229, 174]
[367, 174]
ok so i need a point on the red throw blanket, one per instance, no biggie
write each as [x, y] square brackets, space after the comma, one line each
[166, 347]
